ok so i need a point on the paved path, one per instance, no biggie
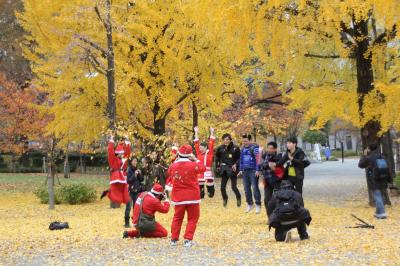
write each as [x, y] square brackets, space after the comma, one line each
[334, 181]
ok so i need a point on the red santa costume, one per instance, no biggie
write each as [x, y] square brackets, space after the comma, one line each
[206, 159]
[185, 192]
[151, 205]
[118, 169]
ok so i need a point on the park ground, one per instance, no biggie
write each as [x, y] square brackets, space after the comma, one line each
[225, 236]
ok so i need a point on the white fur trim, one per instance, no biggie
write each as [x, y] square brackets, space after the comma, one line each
[180, 160]
[212, 137]
[196, 139]
[186, 202]
[118, 181]
[168, 188]
[210, 184]
[155, 192]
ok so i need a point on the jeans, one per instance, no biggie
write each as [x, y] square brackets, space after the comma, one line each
[250, 181]
[380, 207]
[226, 175]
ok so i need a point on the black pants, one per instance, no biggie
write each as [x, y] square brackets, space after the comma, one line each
[297, 183]
[226, 175]
[210, 191]
[268, 190]
[280, 232]
[131, 204]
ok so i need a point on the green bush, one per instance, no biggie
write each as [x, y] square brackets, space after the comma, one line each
[77, 193]
[333, 159]
[43, 195]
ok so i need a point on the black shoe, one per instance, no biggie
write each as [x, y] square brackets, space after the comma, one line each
[105, 192]
[304, 236]
[225, 203]
[210, 191]
[239, 203]
[125, 234]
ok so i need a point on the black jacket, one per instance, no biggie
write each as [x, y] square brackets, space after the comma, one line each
[368, 163]
[302, 214]
[227, 155]
[135, 182]
[297, 163]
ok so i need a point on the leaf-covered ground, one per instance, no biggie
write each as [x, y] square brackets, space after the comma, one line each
[224, 235]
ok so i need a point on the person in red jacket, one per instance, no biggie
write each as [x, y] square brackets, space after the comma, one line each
[118, 163]
[151, 204]
[185, 194]
[206, 157]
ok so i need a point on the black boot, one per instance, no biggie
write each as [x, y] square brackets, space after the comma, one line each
[210, 191]
[302, 230]
[105, 192]
[127, 225]
[125, 234]
[238, 202]
[225, 203]
[202, 193]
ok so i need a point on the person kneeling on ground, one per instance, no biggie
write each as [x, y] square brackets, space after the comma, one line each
[147, 204]
[287, 211]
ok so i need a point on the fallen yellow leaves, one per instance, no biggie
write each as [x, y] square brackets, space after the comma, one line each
[224, 236]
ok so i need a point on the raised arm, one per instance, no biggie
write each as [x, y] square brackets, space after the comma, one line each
[196, 141]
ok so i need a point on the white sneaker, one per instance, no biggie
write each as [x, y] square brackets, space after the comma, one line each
[288, 237]
[380, 216]
[174, 243]
[187, 243]
[258, 209]
[249, 208]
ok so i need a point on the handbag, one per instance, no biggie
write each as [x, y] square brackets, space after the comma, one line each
[146, 223]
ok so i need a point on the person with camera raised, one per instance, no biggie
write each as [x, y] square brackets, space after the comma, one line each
[147, 204]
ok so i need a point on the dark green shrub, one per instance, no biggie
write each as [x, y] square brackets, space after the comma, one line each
[43, 195]
[77, 193]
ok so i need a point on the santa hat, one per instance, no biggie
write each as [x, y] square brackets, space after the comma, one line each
[119, 149]
[185, 151]
[157, 189]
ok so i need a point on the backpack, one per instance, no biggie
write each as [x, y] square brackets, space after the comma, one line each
[381, 169]
[287, 205]
[146, 223]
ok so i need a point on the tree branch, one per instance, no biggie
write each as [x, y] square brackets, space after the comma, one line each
[144, 125]
[322, 56]
[92, 44]
[96, 9]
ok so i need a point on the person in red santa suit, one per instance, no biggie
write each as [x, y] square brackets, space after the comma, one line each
[151, 203]
[205, 154]
[185, 195]
[118, 162]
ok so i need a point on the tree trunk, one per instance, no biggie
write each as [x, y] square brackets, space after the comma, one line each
[82, 165]
[50, 184]
[110, 73]
[159, 126]
[51, 174]
[13, 163]
[67, 169]
[397, 155]
[387, 151]
[365, 84]
[195, 116]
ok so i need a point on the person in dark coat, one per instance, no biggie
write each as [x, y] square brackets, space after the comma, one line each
[294, 160]
[227, 157]
[287, 211]
[135, 186]
[369, 162]
[272, 175]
